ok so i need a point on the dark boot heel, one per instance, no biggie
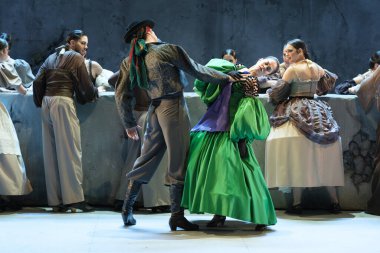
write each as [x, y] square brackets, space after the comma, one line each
[335, 208]
[295, 209]
[130, 198]
[178, 220]
[217, 220]
[182, 222]
[128, 219]
[173, 227]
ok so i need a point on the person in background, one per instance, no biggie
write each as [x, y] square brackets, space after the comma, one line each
[13, 179]
[230, 55]
[62, 76]
[21, 66]
[98, 75]
[303, 148]
[285, 64]
[352, 86]
[369, 97]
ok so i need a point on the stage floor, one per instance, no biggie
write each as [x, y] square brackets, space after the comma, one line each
[39, 230]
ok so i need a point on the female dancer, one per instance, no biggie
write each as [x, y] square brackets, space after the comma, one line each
[303, 148]
[223, 176]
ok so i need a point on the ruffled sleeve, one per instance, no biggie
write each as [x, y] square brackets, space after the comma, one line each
[9, 76]
[251, 121]
[279, 92]
[24, 72]
[326, 83]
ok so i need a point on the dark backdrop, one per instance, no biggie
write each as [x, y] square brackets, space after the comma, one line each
[341, 34]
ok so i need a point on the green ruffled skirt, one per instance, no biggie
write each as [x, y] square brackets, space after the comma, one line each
[219, 181]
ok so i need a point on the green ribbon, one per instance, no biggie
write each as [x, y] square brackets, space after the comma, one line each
[138, 73]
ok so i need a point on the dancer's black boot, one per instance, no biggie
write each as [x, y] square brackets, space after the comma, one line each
[130, 198]
[177, 219]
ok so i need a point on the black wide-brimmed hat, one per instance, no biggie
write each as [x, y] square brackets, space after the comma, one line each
[134, 27]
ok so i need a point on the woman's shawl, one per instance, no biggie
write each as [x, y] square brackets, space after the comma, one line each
[216, 118]
[217, 97]
[210, 92]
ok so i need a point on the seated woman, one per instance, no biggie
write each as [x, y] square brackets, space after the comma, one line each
[303, 148]
[352, 86]
[22, 67]
[223, 176]
[98, 75]
[13, 180]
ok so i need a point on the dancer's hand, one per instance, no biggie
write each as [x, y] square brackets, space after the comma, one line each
[133, 133]
[236, 75]
[251, 86]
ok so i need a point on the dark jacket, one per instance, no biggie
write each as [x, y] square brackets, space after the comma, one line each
[163, 62]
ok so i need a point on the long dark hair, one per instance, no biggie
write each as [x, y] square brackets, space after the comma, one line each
[299, 44]
[375, 58]
[3, 44]
[8, 38]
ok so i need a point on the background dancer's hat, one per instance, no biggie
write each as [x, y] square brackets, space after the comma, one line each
[134, 27]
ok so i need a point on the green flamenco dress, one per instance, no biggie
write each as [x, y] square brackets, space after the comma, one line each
[218, 180]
